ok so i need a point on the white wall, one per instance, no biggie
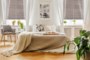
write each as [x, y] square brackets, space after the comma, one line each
[35, 19]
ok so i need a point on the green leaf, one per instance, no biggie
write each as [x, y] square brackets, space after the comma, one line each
[82, 32]
[77, 40]
[21, 25]
[18, 22]
[64, 48]
[65, 21]
[13, 22]
[89, 48]
[87, 34]
[80, 52]
[84, 43]
[68, 46]
[77, 55]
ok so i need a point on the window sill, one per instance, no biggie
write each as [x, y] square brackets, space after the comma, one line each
[77, 26]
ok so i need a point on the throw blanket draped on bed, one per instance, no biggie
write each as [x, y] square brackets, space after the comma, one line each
[31, 42]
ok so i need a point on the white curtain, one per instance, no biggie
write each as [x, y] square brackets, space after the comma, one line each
[1, 16]
[87, 15]
[59, 5]
[28, 11]
[3, 2]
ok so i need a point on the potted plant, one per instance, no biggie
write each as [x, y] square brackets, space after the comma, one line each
[13, 22]
[65, 21]
[83, 45]
[74, 21]
[21, 26]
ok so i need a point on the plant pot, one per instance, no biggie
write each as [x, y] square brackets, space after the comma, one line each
[87, 57]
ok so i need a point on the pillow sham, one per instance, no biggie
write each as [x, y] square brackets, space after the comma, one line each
[50, 28]
[38, 28]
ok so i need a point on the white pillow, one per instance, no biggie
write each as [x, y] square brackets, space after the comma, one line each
[50, 28]
[43, 28]
[38, 28]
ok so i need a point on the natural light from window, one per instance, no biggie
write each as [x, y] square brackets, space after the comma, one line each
[73, 22]
[10, 22]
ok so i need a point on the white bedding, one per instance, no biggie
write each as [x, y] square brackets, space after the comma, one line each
[28, 41]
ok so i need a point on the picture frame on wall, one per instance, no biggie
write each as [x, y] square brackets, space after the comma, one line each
[44, 10]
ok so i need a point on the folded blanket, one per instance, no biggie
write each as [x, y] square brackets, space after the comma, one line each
[24, 39]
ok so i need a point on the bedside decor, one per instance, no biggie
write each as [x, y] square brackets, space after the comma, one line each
[65, 21]
[13, 22]
[39, 27]
[20, 24]
[74, 21]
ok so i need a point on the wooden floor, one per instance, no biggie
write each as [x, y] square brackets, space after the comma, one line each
[39, 56]
[36, 55]
[42, 56]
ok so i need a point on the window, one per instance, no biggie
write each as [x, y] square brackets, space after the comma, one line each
[73, 10]
[15, 11]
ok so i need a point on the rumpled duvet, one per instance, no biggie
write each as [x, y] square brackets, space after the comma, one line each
[28, 41]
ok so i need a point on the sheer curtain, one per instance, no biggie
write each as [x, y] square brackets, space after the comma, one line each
[87, 15]
[59, 5]
[28, 11]
[31, 10]
[3, 10]
[1, 16]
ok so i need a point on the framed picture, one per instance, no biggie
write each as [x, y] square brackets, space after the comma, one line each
[44, 10]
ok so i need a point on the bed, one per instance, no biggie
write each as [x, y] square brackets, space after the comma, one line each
[28, 41]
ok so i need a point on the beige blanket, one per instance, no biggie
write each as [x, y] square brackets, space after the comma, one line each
[33, 42]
